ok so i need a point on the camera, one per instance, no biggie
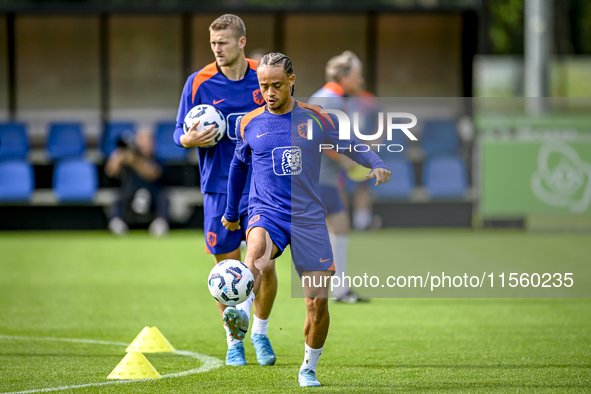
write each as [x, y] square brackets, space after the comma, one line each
[127, 141]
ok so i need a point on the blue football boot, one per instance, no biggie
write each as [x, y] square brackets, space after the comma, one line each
[237, 322]
[265, 353]
[307, 378]
[235, 355]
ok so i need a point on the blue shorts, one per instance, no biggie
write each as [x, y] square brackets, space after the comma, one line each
[331, 199]
[310, 244]
[218, 240]
[351, 186]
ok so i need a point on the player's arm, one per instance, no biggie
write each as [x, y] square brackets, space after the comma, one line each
[343, 161]
[115, 163]
[368, 159]
[237, 181]
[192, 138]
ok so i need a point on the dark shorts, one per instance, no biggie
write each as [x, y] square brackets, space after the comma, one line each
[310, 244]
[218, 240]
[331, 199]
[351, 186]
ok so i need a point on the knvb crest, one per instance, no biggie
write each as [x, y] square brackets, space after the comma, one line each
[303, 130]
[257, 96]
[212, 239]
[287, 160]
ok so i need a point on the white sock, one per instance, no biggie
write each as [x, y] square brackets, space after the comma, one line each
[361, 219]
[311, 358]
[246, 305]
[231, 341]
[259, 326]
[339, 245]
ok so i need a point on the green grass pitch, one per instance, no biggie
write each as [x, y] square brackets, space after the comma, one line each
[92, 285]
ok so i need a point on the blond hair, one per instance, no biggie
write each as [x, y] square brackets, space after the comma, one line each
[231, 22]
[341, 66]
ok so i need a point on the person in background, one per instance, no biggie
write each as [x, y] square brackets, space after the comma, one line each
[285, 207]
[230, 84]
[258, 54]
[141, 193]
[344, 80]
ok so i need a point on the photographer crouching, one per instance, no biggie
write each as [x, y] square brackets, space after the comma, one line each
[141, 195]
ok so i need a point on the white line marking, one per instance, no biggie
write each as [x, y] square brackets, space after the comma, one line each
[208, 363]
[93, 341]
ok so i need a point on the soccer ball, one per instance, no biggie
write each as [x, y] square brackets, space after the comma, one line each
[230, 282]
[207, 115]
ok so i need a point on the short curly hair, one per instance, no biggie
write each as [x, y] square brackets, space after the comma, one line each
[229, 21]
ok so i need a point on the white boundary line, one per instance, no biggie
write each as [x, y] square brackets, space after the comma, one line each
[208, 363]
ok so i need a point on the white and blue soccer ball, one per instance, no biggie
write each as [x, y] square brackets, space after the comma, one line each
[230, 282]
[207, 115]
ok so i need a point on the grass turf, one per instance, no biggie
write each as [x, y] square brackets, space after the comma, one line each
[95, 286]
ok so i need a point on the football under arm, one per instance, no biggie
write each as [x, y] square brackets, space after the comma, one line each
[178, 132]
[236, 183]
[186, 103]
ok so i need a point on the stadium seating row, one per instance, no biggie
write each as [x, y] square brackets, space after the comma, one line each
[443, 176]
[66, 140]
[444, 173]
[438, 136]
[74, 180]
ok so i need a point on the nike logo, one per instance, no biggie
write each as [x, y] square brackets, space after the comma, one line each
[324, 261]
[260, 135]
[217, 101]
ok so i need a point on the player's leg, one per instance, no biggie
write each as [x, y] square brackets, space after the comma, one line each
[263, 303]
[260, 248]
[313, 260]
[223, 245]
[315, 285]
[338, 228]
[235, 354]
[363, 218]
[240, 315]
[117, 223]
[265, 298]
[337, 221]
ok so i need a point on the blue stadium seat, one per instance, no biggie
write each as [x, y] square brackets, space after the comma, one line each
[402, 182]
[13, 141]
[65, 140]
[165, 149]
[112, 133]
[439, 137]
[16, 180]
[445, 177]
[398, 137]
[75, 180]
